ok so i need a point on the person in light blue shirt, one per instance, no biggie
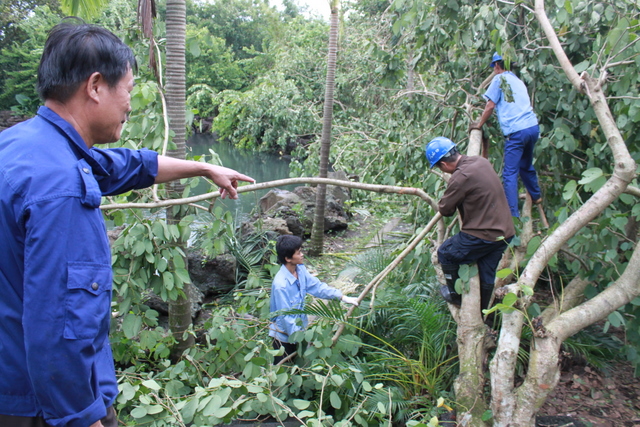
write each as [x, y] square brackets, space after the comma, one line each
[508, 95]
[56, 365]
[290, 286]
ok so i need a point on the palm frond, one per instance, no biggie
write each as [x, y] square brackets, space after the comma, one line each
[329, 310]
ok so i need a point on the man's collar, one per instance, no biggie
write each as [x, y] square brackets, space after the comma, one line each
[74, 138]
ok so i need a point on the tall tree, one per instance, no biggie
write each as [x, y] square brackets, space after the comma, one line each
[317, 234]
[176, 21]
[593, 40]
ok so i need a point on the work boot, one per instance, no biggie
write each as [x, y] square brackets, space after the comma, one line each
[448, 291]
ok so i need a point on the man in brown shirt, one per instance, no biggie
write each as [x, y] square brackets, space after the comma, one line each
[476, 192]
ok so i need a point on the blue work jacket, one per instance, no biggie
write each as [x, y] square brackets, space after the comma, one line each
[55, 269]
[287, 293]
[513, 115]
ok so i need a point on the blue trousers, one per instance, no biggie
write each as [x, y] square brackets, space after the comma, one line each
[518, 160]
[464, 248]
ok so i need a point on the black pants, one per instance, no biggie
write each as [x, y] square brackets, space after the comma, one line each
[111, 420]
[464, 248]
[289, 348]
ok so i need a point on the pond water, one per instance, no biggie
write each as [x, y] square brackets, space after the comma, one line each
[262, 167]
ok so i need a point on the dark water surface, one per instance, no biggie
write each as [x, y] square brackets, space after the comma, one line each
[262, 167]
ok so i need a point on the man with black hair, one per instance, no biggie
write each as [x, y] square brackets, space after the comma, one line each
[475, 192]
[56, 365]
[290, 286]
[508, 95]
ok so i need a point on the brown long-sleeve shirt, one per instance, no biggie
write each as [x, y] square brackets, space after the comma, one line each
[476, 192]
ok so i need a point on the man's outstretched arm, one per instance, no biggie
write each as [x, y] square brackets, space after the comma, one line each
[170, 169]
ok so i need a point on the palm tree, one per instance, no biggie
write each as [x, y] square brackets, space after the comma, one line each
[317, 233]
[176, 21]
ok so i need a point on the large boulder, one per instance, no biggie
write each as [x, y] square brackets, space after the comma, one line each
[213, 276]
[297, 210]
[276, 198]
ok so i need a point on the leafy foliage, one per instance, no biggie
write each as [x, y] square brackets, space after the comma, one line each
[19, 62]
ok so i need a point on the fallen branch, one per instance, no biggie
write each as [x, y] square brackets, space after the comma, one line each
[278, 183]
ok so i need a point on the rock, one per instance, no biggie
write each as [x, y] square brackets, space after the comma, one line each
[297, 209]
[162, 307]
[341, 194]
[277, 198]
[212, 276]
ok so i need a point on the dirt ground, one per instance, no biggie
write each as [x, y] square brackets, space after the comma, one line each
[597, 399]
[585, 395]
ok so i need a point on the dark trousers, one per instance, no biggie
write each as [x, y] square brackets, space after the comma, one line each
[464, 248]
[289, 348]
[518, 160]
[111, 420]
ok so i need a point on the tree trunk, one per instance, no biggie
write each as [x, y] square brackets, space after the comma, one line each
[180, 309]
[473, 341]
[317, 233]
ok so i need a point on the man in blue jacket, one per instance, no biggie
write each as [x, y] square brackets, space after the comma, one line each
[508, 95]
[56, 366]
[289, 290]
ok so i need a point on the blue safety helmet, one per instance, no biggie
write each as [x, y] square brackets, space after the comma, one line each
[495, 59]
[437, 149]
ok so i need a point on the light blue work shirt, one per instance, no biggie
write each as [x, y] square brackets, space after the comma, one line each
[288, 293]
[55, 269]
[516, 115]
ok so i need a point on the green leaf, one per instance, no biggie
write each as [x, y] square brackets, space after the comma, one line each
[504, 273]
[251, 388]
[138, 248]
[616, 319]
[154, 409]
[183, 275]
[138, 412]
[127, 391]
[212, 406]
[533, 245]
[151, 384]
[301, 404]
[337, 380]
[189, 410]
[581, 67]
[222, 412]
[131, 325]
[569, 190]
[510, 299]
[569, 8]
[590, 175]
[167, 280]
[335, 400]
